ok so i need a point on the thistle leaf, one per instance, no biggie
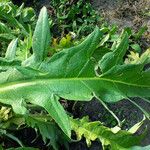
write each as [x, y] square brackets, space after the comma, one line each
[70, 74]
[121, 140]
[11, 50]
[41, 39]
[47, 129]
[115, 57]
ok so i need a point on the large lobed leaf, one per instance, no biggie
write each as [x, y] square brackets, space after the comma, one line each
[70, 74]
[47, 129]
[111, 138]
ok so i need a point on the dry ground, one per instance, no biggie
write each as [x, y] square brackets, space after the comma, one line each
[126, 13]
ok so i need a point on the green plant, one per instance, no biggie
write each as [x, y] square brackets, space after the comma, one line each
[111, 138]
[41, 122]
[72, 73]
[15, 22]
[77, 16]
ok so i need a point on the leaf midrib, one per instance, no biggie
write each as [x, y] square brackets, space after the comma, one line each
[31, 82]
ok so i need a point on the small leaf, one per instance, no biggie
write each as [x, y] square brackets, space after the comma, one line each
[41, 36]
[136, 126]
[140, 32]
[128, 30]
[111, 59]
[11, 136]
[114, 37]
[41, 39]
[11, 50]
[136, 47]
[47, 128]
[135, 58]
[104, 40]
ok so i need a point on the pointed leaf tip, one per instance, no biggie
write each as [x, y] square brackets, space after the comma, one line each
[11, 50]
[41, 39]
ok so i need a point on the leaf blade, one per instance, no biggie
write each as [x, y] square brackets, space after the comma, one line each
[11, 50]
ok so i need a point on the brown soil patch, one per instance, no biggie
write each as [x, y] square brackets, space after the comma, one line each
[126, 13]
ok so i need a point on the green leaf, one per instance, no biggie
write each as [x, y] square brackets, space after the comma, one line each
[48, 129]
[114, 38]
[11, 50]
[134, 128]
[70, 74]
[13, 22]
[7, 36]
[141, 31]
[135, 58]
[44, 91]
[55, 109]
[4, 28]
[104, 40]
[11, 136]
[100, 52]
[6, 64]
[136, 47]
[41, 33]
[140, 148]
[118, 140]
[41, 39]
[28, 14]
[116, 57]
[72, 62]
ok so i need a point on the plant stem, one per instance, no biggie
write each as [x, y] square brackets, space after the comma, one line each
[110, 111]
[143, 110]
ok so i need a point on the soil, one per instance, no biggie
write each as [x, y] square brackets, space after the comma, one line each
[131, 13]
[83, 146]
